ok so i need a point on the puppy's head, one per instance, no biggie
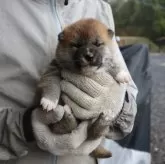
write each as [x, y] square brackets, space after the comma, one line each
[83, 46]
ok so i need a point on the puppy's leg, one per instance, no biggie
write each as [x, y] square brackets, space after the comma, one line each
[101, 152]
[66, 124]
[49, 86]
[99, 127]
[116, 69]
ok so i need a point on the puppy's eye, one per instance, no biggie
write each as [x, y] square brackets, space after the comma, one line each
[75, 45]
[98, 44]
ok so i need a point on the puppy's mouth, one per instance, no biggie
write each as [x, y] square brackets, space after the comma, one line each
[99, 66]
[88, 58]
[81, 65]
[83, 62]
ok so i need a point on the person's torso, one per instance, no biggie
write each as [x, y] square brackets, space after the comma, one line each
[28, 38]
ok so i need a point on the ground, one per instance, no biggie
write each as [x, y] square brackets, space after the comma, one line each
[158, 109]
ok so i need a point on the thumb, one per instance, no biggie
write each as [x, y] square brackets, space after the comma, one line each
[103, 78]
[49, 117]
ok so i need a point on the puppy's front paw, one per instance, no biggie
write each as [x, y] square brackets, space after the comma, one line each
[48, 105]
[104, 118]
[123, 77]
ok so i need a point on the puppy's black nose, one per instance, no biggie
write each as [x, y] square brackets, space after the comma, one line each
[89, 55]
[93, 57]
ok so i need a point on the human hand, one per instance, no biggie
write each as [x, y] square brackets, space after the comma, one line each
[89, 96]
[71, 143]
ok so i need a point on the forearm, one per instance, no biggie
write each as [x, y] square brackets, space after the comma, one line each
[13, 143]
[124, 122]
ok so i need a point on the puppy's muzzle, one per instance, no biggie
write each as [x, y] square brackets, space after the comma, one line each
[88, 56]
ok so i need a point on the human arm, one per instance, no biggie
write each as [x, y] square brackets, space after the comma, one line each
[125, 121]
[19, 128]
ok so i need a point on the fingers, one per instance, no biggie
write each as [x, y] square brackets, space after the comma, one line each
[103, 78]
[72, 143]
[78, 96]
[57, 144]
[86, 84]
[78, 111]
[50, 117]
[93, 85]
[69, 141]
[86, 147]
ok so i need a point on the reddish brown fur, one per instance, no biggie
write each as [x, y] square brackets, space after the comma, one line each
[87, 28]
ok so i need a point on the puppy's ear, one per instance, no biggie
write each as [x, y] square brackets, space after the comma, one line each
[61, 36]
[110, 33]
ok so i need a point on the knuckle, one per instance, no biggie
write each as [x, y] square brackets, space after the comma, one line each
[98, 102]
[92, 103]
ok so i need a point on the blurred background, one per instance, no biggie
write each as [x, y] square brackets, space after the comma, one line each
[143, 21]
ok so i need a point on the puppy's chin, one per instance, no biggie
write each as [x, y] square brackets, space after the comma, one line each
[91, 70]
